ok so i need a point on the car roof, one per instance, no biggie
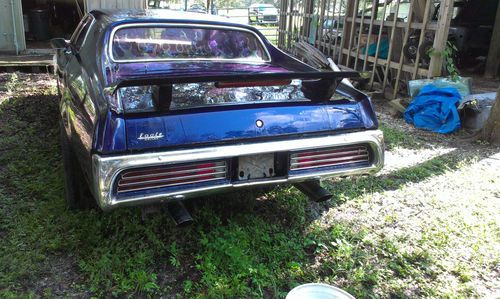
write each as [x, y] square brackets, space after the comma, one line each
[107, 16]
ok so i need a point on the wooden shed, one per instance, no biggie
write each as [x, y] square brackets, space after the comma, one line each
[27, 25]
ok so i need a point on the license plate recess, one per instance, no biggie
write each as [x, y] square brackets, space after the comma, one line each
[256, 167]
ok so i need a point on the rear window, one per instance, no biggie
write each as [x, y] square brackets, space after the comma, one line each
[186, 43]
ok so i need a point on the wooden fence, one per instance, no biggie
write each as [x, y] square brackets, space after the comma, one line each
[391, 41]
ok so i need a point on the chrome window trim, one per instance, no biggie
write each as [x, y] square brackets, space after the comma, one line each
[131, 25]
[105, 169]
[77, 35]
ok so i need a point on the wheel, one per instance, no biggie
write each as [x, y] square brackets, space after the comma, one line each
[410, 49]
[76, 191]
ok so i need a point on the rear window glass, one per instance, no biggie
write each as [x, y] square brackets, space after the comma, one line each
[186, 43]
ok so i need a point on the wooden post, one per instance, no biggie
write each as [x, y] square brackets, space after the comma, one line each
[347, 34]
[351, 31]
[319, 30]
[441, 37]
[308, 11]
[391, 43]
[327, 11]
[282, 23]
[402, 56]
[493, 61]
[360, 33]
[379, 39]
[290, 26]
[424, 16]
[373, 14]
[419, 10]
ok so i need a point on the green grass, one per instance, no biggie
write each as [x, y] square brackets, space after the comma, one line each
[237, 246]
[395, 138]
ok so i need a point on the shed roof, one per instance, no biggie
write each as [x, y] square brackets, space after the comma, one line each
[121, 15]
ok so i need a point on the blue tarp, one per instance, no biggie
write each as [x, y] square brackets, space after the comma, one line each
[435, 109]
[382, 51]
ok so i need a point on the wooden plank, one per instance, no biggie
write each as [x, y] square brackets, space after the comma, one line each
[377, 50]
[25, 60]
[425, 17]
[391, 64]
[329, 46]
[400, 24]
[290, 28]
[391, 40]
[360, 34]
[441, 37]
[401, 54]
[373, 13]
[308, 10]
[493, 61]
[351, 31]
[319, 33]
[336, 43]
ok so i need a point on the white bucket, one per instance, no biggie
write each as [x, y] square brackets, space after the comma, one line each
[318, 291]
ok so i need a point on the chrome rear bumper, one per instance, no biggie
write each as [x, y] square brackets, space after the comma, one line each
[107, 168]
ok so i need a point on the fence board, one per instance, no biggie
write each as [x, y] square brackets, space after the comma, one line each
[395, 21]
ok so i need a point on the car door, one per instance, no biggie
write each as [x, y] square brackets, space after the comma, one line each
[77, 109]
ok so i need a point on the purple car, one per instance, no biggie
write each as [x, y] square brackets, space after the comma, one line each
[163, 106]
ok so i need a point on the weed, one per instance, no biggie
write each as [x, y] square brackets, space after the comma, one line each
[13, 83]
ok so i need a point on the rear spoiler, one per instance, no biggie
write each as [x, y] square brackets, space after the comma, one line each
[316, 85]
[237, 77]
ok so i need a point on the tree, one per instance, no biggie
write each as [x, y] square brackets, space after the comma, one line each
[491, 131]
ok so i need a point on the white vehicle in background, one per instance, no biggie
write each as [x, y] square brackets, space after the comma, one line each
[262, 14]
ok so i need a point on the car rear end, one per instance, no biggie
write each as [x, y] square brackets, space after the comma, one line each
[267, 15]
[217, 125]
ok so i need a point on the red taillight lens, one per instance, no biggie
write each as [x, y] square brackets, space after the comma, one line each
[337, 156]
[170, 176]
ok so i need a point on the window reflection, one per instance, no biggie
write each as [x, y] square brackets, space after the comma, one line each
[157, 43]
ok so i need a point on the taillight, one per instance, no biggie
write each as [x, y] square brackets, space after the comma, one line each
[327, 157]
[170, 176]
[137, 98]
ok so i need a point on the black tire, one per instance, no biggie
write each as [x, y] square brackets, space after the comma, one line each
[76, 191]
[410, 49]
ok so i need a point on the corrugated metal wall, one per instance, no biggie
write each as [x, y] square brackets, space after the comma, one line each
[111, 4]
[11, 27]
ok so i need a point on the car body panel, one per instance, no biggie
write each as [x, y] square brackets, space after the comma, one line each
[239, 124]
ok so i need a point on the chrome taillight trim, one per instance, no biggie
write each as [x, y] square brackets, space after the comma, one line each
[172, 172]
[169, 185]
[343, 152]
[107, 168]
[322, 159]
[189, 175]
[328, 165]
[193, 176]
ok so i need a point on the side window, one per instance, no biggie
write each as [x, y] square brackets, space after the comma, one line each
[81, 32]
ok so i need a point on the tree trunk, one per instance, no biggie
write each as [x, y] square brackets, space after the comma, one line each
[491, 131]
